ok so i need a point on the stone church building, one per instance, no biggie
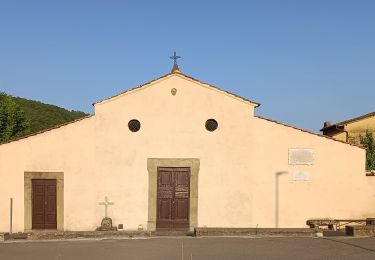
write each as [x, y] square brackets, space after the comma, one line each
[177, 153]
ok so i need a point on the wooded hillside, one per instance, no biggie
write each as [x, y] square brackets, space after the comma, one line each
[43, 116]
[20, 116]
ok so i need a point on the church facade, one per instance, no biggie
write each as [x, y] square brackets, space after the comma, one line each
[177, 153]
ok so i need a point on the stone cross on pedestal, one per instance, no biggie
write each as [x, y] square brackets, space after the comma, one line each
[106, 203]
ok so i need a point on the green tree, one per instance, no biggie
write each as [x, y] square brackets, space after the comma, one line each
[13, 122]
[368, 142]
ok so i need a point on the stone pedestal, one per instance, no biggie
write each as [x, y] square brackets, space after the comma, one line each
[106, 225]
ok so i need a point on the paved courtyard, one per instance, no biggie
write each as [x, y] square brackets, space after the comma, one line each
[193, 248]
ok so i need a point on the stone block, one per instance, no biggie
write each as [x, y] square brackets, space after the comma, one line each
[4, 237]
[360, 231]
[18, 236]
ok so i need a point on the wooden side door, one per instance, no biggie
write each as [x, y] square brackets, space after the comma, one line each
[181, 200]
[173, 192]
[165, 192]
[44, 211]
[38, 204]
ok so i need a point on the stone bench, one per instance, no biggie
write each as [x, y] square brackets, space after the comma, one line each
[317, 223]
[335, 224]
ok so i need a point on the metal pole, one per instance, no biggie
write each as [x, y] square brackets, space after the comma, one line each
[11, 215]
[182, 251]
[277, 200]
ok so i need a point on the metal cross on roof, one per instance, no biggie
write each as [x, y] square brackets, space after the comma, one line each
[175, 57]
[106, 203]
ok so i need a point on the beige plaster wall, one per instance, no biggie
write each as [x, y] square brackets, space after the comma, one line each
[100, 157]
[67, 150]
[337, 187]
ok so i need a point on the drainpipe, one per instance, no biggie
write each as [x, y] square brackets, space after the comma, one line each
[344, 131]
[11, 215]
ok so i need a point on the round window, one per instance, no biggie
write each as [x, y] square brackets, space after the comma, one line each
[211, 125]
[134, 125]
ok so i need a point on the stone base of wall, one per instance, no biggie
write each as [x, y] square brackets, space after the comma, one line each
[334, 233]
[360, 231]
[251, 232]
[58, 235]
[3, 237]
[301, 232]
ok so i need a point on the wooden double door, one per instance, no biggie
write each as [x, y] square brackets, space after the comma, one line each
[173, 193]
[44, 204]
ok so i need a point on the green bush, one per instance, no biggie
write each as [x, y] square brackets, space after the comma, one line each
[13, 121]
[20, 117]
[368, 142]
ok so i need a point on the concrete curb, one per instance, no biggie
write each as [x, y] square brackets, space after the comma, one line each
[88, 235]
[199, 232]
[255, 232]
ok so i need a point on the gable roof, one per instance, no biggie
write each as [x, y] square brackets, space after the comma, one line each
[129, 90]
[183, 76]
[210, 86]
[348, 121]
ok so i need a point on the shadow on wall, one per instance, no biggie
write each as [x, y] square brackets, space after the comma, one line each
[277, 196]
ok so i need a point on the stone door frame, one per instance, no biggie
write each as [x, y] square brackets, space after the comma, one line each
[59, 177]
[152, 168]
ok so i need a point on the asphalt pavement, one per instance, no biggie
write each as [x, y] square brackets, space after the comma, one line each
[192, 248]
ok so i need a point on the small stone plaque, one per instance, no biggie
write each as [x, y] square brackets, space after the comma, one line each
[301, 176]
[301, 156]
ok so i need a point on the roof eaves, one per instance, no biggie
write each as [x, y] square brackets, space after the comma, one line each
[46, 130]
[334, 126]
[137, 87]
[222, 90]
[305, 131]
[184, 75]
[349, 120]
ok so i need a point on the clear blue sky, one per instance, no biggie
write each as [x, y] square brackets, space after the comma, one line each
[304, 61]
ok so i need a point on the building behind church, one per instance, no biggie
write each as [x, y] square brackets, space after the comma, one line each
[352, 129]
[177, 153]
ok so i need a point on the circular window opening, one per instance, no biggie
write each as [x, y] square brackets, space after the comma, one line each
[211, 125]
[134, 125]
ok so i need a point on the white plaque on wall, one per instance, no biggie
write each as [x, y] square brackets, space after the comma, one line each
[301, 156]
[301, 176]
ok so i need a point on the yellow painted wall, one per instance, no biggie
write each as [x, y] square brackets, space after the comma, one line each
[355, 129]
[340, 136]
[239, 163]
[360, 127]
